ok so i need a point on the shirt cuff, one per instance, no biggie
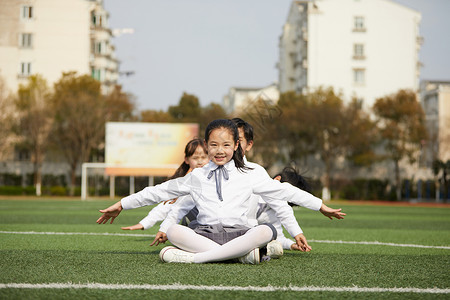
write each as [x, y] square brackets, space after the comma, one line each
[127, 203]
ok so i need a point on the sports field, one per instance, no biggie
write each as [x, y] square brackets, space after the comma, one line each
[53, 249]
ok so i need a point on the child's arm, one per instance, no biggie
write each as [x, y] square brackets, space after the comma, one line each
[138, 226]
[276, 195]
[178, 211]
[268, 216]
[330, 212]
[160, 238]
[302, 244]
[150, 195]
[284, 241]
[167, 190]
[111, 212]
[157, 214]
[302, 198]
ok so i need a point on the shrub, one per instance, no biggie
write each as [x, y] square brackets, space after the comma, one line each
[58, 191]
[17, 190]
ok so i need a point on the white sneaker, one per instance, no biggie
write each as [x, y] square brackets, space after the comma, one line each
[274, 249]
[250, 258]
[173, 254]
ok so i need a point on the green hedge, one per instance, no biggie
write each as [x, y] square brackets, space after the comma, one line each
[17, 190]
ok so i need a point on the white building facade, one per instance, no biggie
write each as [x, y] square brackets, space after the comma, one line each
[49, 37]
[238, 98]
[435, 99]
[363, 48]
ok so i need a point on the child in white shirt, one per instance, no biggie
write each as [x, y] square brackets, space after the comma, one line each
[221, 191]
[259, 212]
[195, 156]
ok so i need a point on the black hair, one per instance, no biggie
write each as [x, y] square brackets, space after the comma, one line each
[248, 129]
[189, 150]
[238, 155]
[290, 175]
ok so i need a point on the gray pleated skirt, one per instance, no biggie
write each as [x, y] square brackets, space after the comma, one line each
[221, 234]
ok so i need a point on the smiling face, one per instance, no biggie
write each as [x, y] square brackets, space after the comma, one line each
[221, 146]
[198, 159]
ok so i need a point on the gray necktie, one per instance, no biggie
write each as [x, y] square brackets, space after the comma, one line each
[219, 172]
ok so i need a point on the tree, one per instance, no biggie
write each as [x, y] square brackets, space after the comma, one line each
[295, 131]
[361, 136]
[264, 116]
[319, 123]
[120, 106]
[326, 125]
[32, 104]
[80, 113]
[158, 116]
[188, 109]
[6, 121]
[209, 113]
[402, 126]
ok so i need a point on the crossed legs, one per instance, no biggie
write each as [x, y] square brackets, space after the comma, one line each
[207, 250]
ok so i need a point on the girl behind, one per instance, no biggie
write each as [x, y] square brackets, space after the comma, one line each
[195, 156]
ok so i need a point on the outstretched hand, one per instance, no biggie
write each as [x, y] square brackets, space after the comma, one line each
[331, 212]
[110, 213]
[160, 238]
[134, 227]
[301, 243]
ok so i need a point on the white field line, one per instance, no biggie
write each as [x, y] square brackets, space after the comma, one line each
[221, 288]
[379, 243]
[77, 233]
[152, 235]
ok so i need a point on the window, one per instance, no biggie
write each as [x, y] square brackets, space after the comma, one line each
[358, 51]
[100, 47]
[25, 68]
[26, 40]
[21, 154]
[27, 12]
[359, 76]
[97, 74]
[359, 24]
[97, 20]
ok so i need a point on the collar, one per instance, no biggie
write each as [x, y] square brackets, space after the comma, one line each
[230, 166]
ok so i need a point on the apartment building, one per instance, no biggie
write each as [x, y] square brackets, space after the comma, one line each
[435, 99]
[239, 98]
[363, 48]
[49, 37]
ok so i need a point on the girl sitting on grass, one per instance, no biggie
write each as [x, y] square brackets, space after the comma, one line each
[221, 191]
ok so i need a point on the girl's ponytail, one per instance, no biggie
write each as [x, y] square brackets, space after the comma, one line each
[189, 150]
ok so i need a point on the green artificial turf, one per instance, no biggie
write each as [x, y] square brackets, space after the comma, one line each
[108, 259]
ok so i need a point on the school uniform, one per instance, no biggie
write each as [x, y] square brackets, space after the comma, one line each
[159, 213]
[261, 213]
[266, 215]
[221, 195]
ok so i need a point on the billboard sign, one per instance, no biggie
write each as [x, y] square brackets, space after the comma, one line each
[146, 149]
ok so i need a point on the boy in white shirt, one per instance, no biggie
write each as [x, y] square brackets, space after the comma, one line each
[259, 212]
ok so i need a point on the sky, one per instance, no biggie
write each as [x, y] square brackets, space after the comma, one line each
[204, 47]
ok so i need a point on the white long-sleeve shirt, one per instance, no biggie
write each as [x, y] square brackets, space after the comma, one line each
[268, 216]
[236, 192]
[157, 214]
